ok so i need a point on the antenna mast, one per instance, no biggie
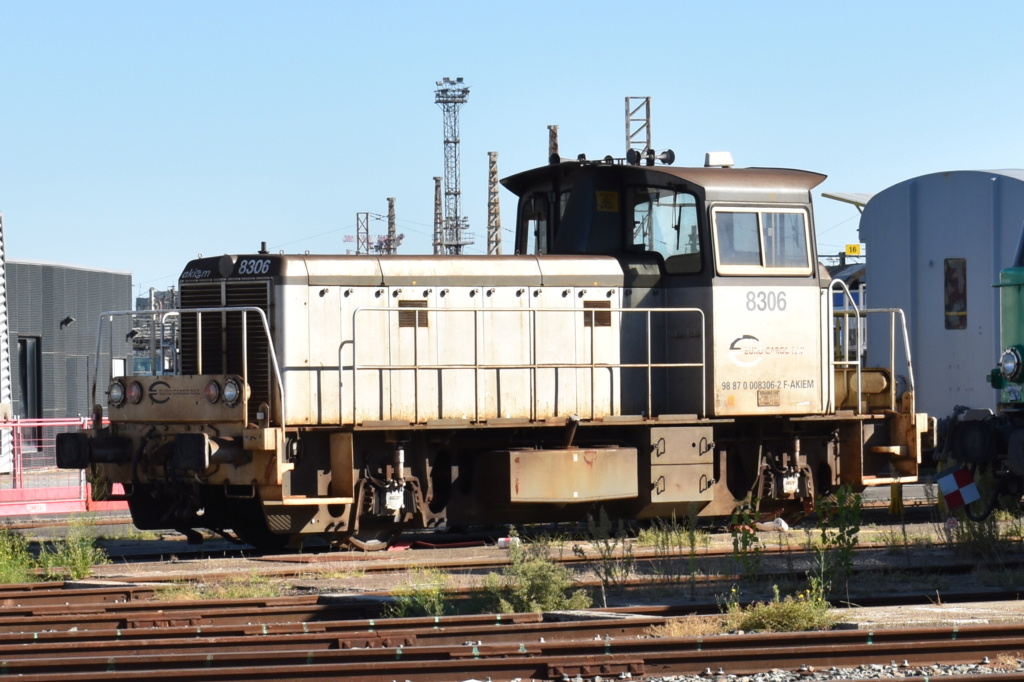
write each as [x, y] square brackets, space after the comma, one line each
[362, 233]
[638, 125]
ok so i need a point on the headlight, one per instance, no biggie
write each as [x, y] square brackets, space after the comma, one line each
[116, 393]
[1010, 364]
[232, 392]
[134, 393]
[212, 392]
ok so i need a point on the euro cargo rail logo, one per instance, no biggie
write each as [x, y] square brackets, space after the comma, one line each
[739, 351]
[747, 351]
[160, 392]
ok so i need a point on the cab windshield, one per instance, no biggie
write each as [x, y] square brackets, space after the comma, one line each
[665, 222]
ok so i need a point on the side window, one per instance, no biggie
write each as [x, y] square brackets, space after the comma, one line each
[955, 275]
[665, 222]
[750, 241]
[738, 242]
[784, 238]
[534, 222]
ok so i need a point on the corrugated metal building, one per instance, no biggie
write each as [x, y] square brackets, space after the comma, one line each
[54, 315]
[935, 246]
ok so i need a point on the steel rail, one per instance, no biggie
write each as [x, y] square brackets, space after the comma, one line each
[336, 635]
[460, 628]
[735, 655]
[290, 638]
[22, 595]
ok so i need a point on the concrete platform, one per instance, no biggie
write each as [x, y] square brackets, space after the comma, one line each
[934, 615]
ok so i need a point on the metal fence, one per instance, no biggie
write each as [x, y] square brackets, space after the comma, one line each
[30, 482]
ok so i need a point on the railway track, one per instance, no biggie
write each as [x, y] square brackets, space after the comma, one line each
[310, 638]
[378, 573]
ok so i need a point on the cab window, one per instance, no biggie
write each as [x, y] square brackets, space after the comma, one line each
[665, 222]
[534, 222]
[750, 241]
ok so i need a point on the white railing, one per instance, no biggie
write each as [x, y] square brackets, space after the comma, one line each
[843, 317]
[474, 350]
[158, 318]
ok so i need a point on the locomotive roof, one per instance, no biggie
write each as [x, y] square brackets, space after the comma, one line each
[412, 270]
[715, 181]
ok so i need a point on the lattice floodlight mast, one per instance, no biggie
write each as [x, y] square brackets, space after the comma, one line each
[638, 125]
[438, 219]
[493, 207]
[450, 96]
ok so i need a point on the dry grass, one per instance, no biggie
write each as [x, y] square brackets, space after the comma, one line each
[689, 626]
[241, 587]
[1008, 661]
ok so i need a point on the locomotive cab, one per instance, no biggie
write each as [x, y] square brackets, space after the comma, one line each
[735, 243]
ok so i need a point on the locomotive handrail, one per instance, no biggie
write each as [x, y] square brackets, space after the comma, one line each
[108, 316]
[893, 312]
[861, 313]
[846, 362]
[533, 366]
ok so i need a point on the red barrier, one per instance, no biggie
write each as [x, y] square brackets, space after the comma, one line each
[31, 483]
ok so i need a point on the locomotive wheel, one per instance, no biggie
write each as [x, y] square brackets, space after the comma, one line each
[374, 537]
[251, 528]
[260, 537]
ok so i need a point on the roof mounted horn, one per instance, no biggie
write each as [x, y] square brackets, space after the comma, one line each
[634, 157]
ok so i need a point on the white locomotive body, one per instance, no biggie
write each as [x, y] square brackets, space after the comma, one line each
[662, 339]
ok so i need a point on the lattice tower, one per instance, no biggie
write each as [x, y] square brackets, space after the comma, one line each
[638, 124]
[450, 96]
[438, 218]
[362, 233]
[493, 206]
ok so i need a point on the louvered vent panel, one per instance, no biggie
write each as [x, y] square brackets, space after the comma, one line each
[250, 294]
[594, 316]
[202, 295]
[222, 336]
[412, 318]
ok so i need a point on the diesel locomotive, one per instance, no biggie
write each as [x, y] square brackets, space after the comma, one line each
[663, 340]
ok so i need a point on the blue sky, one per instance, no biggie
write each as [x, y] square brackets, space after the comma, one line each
[137, 135]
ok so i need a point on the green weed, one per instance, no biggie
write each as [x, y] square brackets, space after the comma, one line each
[839, 525]
[672, 542]
[746, 548]
[73, 555]
[808, 610]
[615, 560]
[532, 582]
[16, 562]
[425, 594]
